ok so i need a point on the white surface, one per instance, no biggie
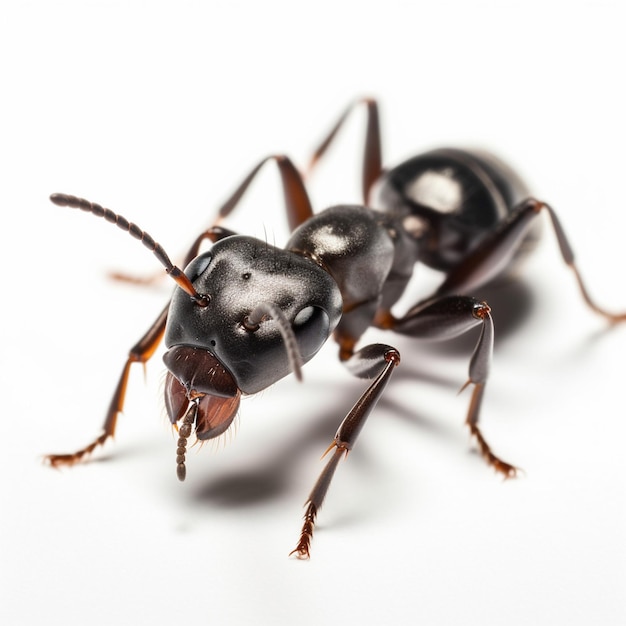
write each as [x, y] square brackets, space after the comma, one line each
[157, 110]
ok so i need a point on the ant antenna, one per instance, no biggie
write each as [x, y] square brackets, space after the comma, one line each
[267, 311]
[184, 432]
[61, 199]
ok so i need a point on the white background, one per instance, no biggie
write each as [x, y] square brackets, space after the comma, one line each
[157, 110]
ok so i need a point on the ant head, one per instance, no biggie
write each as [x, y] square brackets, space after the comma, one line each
[264, 311]
[244, 315]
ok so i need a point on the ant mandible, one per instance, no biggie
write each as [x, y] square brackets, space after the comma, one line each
[245, 313]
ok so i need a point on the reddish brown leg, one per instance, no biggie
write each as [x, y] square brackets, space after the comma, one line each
[140, 353]
[372, 155]
[496, 251]
[443, 318]
[478, 374]
[376, 360]
[297, 205]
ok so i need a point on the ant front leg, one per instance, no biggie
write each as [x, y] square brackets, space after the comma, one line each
[374, 361]
[139, 353]
[143, 350]
[443, 318]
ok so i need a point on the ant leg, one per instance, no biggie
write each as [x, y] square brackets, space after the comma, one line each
[372, 154]
[443, 318]
[494, 253]
[213, 234]
[376, 360]
[297, 205]
[139, 353]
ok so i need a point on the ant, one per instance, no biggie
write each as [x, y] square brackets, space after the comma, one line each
[245, 313]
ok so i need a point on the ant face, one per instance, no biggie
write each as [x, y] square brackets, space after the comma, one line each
[236, 276]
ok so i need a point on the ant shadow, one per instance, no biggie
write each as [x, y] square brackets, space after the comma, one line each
[272, 476]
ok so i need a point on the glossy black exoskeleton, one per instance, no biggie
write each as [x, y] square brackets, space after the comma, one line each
[245, 314]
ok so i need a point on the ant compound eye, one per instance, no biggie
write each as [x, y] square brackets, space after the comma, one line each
[198, 266]
[311, 327]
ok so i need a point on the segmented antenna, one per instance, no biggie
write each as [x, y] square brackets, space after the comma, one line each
[184, 432]
[61, 199]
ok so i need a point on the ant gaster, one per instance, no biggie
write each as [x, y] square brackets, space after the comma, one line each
[245, 313]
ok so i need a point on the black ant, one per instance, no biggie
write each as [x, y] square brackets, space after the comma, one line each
[246, 314]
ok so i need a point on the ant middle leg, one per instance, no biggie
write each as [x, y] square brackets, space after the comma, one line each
[372, 153]
[296, 198]
[443, 318]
